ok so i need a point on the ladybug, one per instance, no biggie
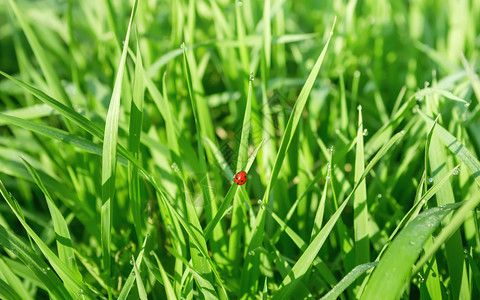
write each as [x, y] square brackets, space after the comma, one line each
[240, 178]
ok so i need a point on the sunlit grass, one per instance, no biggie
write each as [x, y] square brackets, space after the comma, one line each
[122, 125]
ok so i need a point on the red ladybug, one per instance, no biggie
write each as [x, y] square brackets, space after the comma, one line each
[240, 178]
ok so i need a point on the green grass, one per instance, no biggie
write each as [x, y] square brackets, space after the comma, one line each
[122, 124]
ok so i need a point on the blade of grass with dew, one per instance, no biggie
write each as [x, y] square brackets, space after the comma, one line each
[109, 157]
[135, 131]
[64, 241]
[360, 209]
[347, 280]
[472, 163]
[13, 281]
[454, 246]
[44, 62]
[393, 272]
[411, 215]
[303, 263]
[250, 271]
[67, 276]
[234, 247]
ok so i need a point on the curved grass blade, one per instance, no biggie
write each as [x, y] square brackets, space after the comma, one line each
[393, 272]
[346, 281]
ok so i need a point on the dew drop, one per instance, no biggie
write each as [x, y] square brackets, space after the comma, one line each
[356, 73]
[252, 77]
[403, 132]
[421, 279]
[182, 45]
[328, 177]
[331, 148]
[465, 250]
[379, 196]
[260, 202]
[240, 3]
[456, 171]
[430, 180]
[467, 105]
[365, 132]
[175, 167]
[80, 293]
[329, 166]
[44, 271]
[427, 83]
[251, 252]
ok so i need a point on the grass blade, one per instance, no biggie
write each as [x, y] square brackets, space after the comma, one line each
[393, 272]
[109, 157]
[135, 131]
[360, 209]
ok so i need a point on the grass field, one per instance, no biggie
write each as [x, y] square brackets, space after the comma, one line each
[123, 124]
